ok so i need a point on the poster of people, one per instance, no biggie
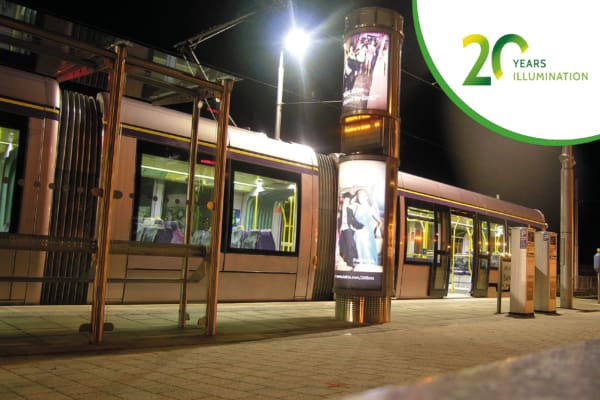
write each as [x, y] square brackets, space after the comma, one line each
[366, 64]
[360, 216]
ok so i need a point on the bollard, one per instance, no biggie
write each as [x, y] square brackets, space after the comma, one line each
[597, 269]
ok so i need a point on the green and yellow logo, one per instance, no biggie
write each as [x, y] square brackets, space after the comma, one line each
[473, 78]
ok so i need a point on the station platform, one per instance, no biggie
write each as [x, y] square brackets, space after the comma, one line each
[444, 349]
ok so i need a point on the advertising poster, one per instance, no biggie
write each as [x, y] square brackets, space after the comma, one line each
[366, 66]
[360, 216]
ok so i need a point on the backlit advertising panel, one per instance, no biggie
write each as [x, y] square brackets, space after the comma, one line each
[360, 225]
[366, 72]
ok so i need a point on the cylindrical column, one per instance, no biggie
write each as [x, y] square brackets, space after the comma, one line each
[566, 226]
[368, 172]
[217, 215]
[108, 172]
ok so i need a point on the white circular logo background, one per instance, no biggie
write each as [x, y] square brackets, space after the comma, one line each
[527, 69]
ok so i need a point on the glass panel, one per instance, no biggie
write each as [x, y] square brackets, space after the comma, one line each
[20, 13]
[264, 213]
[498, 242]
[438, 284]
[420, 234]
[161, 197]
[484, 243]
[9, 150]
[481, 276]
[462, 244]
[461, 261]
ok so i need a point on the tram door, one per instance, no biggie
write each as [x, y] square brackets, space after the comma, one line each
[438, 279]
[461, 254]
[482, 257]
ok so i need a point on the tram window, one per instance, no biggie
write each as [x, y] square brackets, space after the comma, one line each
[10, 192]
[420, 234]
[498, 242]
[161, 193]
[264, 207]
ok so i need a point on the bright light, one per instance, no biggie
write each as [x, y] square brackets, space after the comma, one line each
[296, 42]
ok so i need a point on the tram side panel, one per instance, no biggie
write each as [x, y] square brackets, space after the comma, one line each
[305, 287]
[412, 279]
[125, 269]
[126, 225]
[122, 208]
[36, 204]
[268, 277]
[151, 185]
[427, 209]
[36, 99]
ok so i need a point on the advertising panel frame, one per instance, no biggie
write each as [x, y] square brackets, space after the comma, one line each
[366, 78]
[367, 187]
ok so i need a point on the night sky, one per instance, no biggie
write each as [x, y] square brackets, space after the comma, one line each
[438, 141]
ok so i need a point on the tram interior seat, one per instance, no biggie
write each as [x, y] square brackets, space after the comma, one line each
[253, 239]
[201, 237]
[241, 239]
[150, 229]
[157, 231]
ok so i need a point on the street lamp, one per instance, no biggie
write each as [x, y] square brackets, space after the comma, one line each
[296, 42]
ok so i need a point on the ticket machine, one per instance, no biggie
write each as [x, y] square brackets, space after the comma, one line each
[522, 274]
[545, 271]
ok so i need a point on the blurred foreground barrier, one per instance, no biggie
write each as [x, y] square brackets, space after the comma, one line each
[569, 372]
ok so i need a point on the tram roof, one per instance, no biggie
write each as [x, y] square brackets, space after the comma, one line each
[440, 193]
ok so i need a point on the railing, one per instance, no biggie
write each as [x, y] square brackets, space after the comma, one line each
[122, 247]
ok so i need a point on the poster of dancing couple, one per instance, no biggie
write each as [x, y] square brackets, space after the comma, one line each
[360, 216]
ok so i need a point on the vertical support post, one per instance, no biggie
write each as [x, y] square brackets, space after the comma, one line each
[279, 104]
[109, 161]
[217, 216]
[499, 290]
[566, 226]
[190, 203]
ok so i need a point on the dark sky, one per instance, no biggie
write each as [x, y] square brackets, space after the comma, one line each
[438, 141]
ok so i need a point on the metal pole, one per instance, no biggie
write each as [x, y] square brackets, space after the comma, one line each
[190, 203]
[566, 227]
[499, 290]
[109, 162]
[279, 98]
[217, 216]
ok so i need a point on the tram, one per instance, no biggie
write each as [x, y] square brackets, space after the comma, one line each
[279, 224]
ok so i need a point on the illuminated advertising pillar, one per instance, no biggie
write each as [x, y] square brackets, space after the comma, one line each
[368, 168]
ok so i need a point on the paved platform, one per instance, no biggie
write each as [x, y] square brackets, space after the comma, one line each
[294, 350]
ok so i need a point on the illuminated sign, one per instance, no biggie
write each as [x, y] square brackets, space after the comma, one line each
[362, 132]
[362, 124]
